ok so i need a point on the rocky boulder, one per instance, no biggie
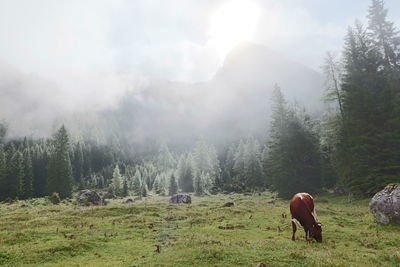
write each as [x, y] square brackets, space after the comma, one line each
[229, 204]
[385, 205]
[181, 198]
[109, 195]
[129, 201]
[89, 198]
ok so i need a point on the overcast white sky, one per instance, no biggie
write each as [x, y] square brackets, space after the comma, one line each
[159, 38]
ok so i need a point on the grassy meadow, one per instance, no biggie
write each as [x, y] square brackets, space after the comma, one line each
[152, 232]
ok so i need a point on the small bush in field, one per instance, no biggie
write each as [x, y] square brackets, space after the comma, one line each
[55, 198]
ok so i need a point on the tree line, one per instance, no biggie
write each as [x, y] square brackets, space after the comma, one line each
[356, 145]
[37, 168]
[362, 137]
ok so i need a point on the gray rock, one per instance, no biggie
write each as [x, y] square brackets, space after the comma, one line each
[89, 198]
[129, 201]
[8, 200]
[229, 204]
[181, 198]
[385, 205]
[109, 195]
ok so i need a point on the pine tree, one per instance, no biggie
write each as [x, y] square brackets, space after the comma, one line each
[173, 186]
[152, 173]
[239, 165]
[116, 181]
[230, 160]
[254, 177]
[165, 160]
[227, 179]
[78, 164]
[293, 162]
[3, 132]
[60, 171]
[125, 188]
[156, 184]
[206, 162]
[137, 184]
[333, 129]
[186, 173]
[3, 172]
[20, 170]
[202, 158]
[40, 160]
[28, 172]
[163, 184]
[199, 184]
[384, 35]
[12, 172]
[370, 140]
[215, 173]
[144, 190]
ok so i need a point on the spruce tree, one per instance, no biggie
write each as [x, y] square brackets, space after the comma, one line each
[371, 136]
[206, 161]
[60, 171]
[156, 185]
[163, 184]
[3, 132]
[28, 172]
[3, 172]
[137, 184]
[145, 189]
[230, 160]
[165, 160]
[239, 165]
[20, 170]
[199, 184]
[12, 172]
[78, 164]
[186, 173]
[254, 178]
[173, 186]
[116, 181]
[293, 162]
[40, 160]
[125, 188]
[215, 173]
[383, 34]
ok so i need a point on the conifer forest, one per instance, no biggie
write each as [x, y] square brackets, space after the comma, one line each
[142, 101]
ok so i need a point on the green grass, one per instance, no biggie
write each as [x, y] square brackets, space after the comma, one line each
[201, 234]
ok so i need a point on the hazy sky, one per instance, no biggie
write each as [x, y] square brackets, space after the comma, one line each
[175, 39]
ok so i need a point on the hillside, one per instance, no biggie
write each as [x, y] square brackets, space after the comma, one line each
[204, 233]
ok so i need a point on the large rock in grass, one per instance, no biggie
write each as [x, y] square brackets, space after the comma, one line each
[89, 198]
[385, 205]
[181, 198]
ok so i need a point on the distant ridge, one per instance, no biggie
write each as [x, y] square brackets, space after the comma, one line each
[257, 66]
[234, 104]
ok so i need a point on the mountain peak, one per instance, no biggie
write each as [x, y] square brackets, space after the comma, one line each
[257, 67]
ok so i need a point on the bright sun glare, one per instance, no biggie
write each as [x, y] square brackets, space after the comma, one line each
[234, 22]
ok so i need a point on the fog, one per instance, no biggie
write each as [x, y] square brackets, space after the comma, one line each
[155, 70]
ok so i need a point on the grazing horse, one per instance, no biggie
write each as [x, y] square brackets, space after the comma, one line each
[303, 213]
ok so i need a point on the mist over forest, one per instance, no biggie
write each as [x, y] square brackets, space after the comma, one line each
[233, 104]
[199, 133]
[244, 102]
